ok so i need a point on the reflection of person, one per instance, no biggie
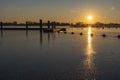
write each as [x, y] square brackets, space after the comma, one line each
[41, 38]
[1, 33]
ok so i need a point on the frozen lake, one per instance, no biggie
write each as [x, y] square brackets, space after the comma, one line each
[58, 56]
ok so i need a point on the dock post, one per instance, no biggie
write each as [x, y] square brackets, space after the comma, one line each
[48, 24]
[41, 25]
[1, 24]
[26, 25]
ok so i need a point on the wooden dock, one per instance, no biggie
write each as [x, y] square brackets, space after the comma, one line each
[51, 27]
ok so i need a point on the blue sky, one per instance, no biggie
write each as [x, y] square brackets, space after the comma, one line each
[60, 10]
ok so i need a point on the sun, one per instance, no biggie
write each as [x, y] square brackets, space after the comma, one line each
[90, 18]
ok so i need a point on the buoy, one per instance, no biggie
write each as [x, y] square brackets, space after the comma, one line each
[118, 36]
[91, 34]
[72, 32]
[104, 35]
[81, 33]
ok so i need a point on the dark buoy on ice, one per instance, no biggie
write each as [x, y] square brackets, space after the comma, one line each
[118, 36]
[104, 35]
[72, 32]
[91, 34]
[81, 33]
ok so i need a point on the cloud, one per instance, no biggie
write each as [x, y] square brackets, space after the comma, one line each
[77, 10]
[112, 8]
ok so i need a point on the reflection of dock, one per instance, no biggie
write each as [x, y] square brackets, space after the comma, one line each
[44, 29]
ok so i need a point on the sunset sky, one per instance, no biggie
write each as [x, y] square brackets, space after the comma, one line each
[60, 10]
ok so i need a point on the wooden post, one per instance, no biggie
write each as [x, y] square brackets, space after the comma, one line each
[41, 25]
[26, 25]
[48, 24]
[1, 24]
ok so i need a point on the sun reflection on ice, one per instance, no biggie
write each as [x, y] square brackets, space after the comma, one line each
[89, 63]
[90, 50]
[89, 35]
